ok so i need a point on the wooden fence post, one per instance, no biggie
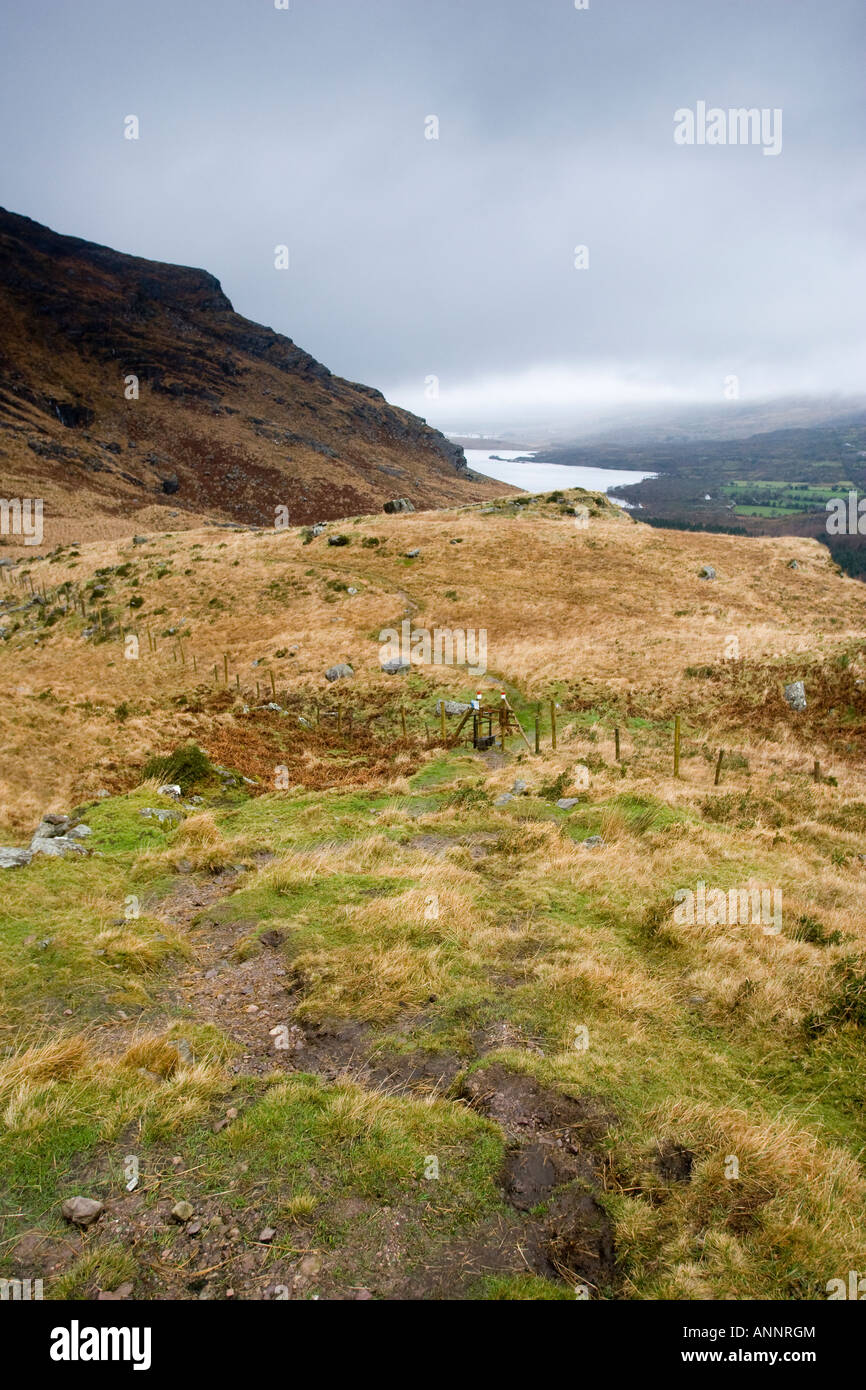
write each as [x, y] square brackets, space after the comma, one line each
[538, 728]
[553, 724]
[718, 776]
[616, 743]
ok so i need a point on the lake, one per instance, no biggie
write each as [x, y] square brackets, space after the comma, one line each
[547, 477]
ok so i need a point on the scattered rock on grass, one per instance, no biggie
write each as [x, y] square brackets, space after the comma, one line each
[82, 1211]
[795, 694]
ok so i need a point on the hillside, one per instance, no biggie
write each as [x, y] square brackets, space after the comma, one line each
[231, 420]
[396, 1018]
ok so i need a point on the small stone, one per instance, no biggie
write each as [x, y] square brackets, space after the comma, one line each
[412, 554]
[170, 789]
[342, 671]
[565, 803]
[394, 666]
[707, 572]
[267, 1235]
[82, 1211]
[504, 799]
[310, 1266]
[592, 842]
[183, 1211]
[795, 694]
[193, 1228]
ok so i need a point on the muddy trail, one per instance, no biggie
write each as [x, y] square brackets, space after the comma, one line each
[550, 1221]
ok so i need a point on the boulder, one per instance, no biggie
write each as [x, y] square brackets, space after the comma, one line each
[452, 707]
[795, 694]
[82, 1211]
[399, 504]
[170, 789]
[504, 799]
[565, 803]
[51, 825]
[395, 666]
[340, 672]
[14, 858]
[56, 846]
[707, 572]
[412, 554]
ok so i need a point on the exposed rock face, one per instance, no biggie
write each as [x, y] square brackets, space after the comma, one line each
[127, 384]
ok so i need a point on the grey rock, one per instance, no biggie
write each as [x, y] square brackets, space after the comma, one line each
[339, 539]
[412, 554]
[170, 789]
[139, 540]
[183, 1211]
[707, 572]
[57, 846]
[793, 565]
[158, 813]
[504, 799]
[51, 825]
[184, 1051]
[518, 786]
[82, 1211]
[14, 858]
[592, 842]
[340, 672]
[267, 1235]
[395, 666]
[452, 707]
[79, 832]
[795, 694]
[399, 504]
[565, 803]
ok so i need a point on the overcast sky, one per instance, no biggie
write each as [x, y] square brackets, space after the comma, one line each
[453, 258]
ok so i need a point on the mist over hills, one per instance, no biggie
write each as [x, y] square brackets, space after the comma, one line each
[131, 389]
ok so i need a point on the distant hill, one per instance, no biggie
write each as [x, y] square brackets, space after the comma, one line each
[231, 421]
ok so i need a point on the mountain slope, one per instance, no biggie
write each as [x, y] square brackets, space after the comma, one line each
[232, 420]
[394, 1018]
